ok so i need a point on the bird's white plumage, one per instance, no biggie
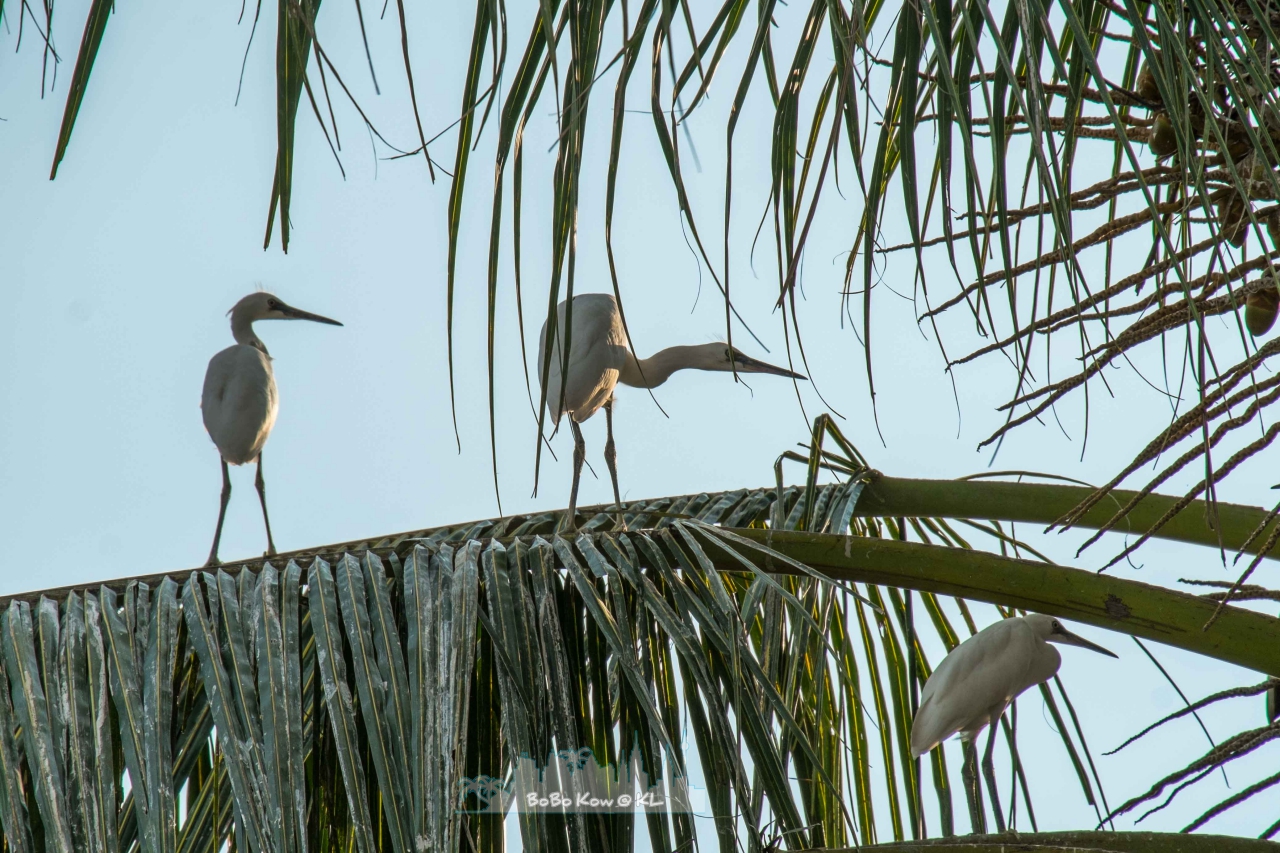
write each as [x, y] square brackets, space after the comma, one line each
[598, 350]
[976, 682]
[239, 402]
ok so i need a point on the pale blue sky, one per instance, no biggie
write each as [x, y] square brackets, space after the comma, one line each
[118, 276]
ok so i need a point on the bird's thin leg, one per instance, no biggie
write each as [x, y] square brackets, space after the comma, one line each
[611, 459]
[972, 786]
[989, 771]
[222, 514]
[579, 456]
[262, 496]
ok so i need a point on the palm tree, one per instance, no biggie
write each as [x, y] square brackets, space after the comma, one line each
[344, 720]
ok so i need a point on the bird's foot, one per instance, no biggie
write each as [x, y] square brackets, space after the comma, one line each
[270, 552]
[212, 561]
[567, 526]
[619, 526]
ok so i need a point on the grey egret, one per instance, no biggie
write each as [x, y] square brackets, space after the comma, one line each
[600, 357]
[975, 683]
[239, 402]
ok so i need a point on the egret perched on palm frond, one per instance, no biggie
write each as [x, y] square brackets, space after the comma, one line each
[600, 357]
[975, 683]
[239, 402]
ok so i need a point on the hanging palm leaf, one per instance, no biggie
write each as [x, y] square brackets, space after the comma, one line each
[1144, 136]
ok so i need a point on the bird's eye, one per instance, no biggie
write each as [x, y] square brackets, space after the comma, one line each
[273, 304]
[1057, 626]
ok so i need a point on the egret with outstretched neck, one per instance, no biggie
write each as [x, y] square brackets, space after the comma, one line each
[975, 683]
[600, 357]
[239, 402]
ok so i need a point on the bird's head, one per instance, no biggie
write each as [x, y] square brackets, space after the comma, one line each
[724, 357]
[1050, 630]
[268, 306]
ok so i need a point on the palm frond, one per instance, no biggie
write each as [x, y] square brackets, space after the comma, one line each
[347, 704]
[1078, 842]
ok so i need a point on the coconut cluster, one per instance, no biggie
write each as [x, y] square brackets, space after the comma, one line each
[1231, 123]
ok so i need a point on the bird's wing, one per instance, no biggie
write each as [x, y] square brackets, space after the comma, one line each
[239, 402]
[553, 372]
[595, 358]
[971, 683]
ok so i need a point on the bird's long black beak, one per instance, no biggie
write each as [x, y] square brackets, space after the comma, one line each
[1067, 638]
[291, 313]
[747, 364]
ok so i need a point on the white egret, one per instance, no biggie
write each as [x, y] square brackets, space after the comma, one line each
[239, 402]
[600, 357]
[975, 683]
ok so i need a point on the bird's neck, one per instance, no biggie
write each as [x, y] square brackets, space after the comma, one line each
[653, 371]
[242, 331]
